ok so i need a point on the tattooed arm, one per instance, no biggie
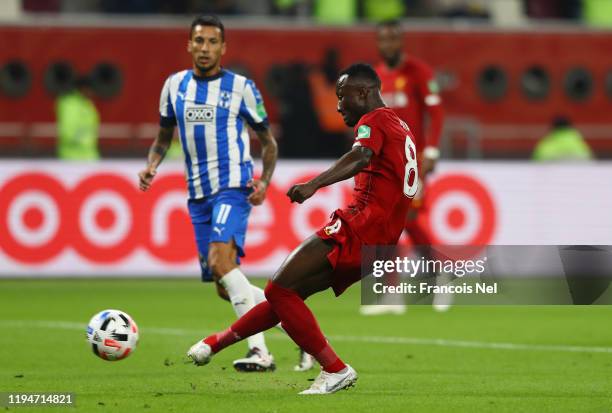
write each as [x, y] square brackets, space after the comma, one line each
[269, 154]
[157, 152]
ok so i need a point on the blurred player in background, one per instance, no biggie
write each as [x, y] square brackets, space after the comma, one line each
[562, 143]
[78, 123]
[212, 107]
[384, 163]
[410, 89]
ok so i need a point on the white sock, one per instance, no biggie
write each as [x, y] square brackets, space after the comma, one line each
[258, 294]
[240, 292]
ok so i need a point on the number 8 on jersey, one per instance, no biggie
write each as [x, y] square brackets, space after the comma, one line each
[411, 181]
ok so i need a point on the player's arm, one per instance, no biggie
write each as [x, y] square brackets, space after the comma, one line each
[253, 111]
[157, 152]
[429, 91]
[346, 167]
[269, 155]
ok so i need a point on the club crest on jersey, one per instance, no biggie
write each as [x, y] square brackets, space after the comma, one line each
[363, 132]
[225, 98]
[333, 228]
[200, 113]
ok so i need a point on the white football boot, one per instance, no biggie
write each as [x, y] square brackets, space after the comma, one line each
[327, 383]
[305, 363]
[200, 353]
[255, 360]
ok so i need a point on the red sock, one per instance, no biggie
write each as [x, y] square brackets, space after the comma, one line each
[259, 318]
[302, 327]
[219, 341]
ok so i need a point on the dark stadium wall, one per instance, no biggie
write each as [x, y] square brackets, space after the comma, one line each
[506, 94]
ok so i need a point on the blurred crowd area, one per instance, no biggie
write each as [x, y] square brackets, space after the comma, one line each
[597, 12]
[519, 94]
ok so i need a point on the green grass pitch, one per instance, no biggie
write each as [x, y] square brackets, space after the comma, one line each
[469, 359]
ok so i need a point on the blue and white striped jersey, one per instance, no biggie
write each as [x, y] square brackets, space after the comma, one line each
[211, 113]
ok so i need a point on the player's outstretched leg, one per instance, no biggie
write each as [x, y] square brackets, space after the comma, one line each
[305, 272]
[260, 318]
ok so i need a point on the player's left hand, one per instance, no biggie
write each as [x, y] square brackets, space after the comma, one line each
[259, 191]
[301, 192]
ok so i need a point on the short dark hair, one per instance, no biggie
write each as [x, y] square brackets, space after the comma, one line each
[207, 20]
[363, 71]
[561, 121]
[391, 23]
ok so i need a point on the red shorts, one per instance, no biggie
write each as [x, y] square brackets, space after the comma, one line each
[345, 257]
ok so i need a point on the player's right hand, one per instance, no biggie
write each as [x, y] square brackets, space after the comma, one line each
[146, 178]
[301, 192]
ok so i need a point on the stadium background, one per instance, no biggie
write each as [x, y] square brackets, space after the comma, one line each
[506, 68]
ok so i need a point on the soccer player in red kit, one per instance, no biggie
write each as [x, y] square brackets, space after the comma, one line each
[410, 89]
[384, 164]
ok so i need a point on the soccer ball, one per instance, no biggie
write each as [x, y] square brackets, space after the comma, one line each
[113, 335]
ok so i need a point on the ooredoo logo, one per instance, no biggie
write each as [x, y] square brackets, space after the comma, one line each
[462, 211]
[102, 225]
[104, 219]
[40, 217]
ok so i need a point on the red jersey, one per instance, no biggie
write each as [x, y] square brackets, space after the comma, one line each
[411, 90]
[383, 190]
